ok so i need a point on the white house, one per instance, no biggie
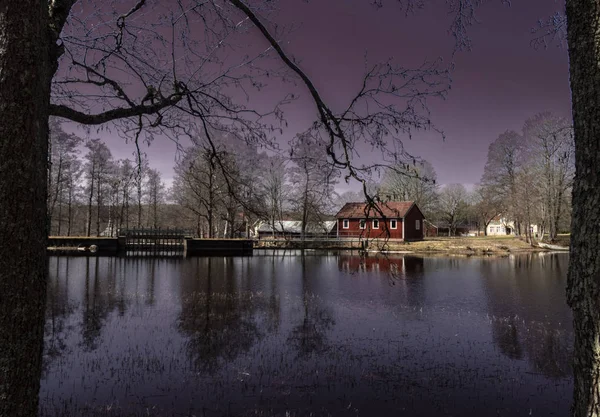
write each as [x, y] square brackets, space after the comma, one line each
[499, 226]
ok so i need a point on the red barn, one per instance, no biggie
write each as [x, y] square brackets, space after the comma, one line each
[394, 220]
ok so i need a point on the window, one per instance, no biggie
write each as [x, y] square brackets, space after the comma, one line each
[393, 224]
[362, 223]
[417, 224]
[375, 224]
[346, 224]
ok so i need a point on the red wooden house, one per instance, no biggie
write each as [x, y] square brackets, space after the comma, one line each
[394, 220]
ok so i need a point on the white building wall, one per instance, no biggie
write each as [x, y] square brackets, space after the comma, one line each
[500, 228]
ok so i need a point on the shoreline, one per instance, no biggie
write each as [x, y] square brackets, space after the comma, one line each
[451, 246]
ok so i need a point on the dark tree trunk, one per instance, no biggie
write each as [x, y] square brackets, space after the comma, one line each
[58, 231]
[558, 214]
[139, 200]
[122, 212]
[70, 208]
[90, 200]
[98, 200]
[583, 288]
[304, 211]
[24, 102]
[55, 190]
[127, 213]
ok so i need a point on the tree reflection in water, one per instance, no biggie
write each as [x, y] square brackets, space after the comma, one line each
[59, 308]
[277, 335]
[310, 336]
[217, 316]
[101, 297]
[525, 328]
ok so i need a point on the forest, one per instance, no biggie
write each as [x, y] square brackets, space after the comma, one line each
[229, 189]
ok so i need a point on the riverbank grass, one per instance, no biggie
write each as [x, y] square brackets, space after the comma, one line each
[465, 245]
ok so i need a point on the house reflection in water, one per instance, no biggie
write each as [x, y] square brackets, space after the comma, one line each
[397, 265]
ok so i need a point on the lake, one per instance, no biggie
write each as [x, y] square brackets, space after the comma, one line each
[321, 334]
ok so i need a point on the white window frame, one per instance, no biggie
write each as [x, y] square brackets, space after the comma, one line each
[418, 224]
[362, 224]
[393, 224]
[346, 224]
[373, 224]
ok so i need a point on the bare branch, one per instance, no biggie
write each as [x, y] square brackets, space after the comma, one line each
[374, 114]
[113, 114]
[550, 30]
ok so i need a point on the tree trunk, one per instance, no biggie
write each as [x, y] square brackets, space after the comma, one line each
[24, 101]
[583, 288]
[305, 206]
[98, 200]
[70, 208]
[139, 200]
[59, 230]
[55, 190]
[91, 198]
[127, 213]
[557, 215]
[122, 212]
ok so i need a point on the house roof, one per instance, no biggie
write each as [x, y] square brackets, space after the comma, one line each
[390, 209]
[295, 226]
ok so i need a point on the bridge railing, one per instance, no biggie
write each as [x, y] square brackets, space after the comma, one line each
[155, 233]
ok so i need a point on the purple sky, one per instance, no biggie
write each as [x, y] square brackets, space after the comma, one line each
[496, 87]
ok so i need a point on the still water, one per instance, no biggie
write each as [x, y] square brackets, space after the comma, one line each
[324, 334]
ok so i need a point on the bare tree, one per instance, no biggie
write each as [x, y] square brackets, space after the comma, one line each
[453, 206]
[126, 174]
[486, 205]
[195, 188]
[141, 171]
[416, 183]
[313, 179]
[551, 149]
[72, 188]
[98, 167]
[505, 158]
[156, 195]
[532, 174]
[275, 189]
[63, 156]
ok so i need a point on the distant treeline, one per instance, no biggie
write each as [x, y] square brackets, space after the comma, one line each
[527, 180]
[220, 189]
[224, 187]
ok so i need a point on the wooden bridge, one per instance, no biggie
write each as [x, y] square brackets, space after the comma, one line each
[150, 242]
[154, 242]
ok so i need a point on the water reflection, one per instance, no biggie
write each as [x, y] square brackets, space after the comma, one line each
[98, 301]
[528, 313]
[58, 309]
[294, 334]
[524, 298]
[310, 335]
[216, 315]
[404, 271]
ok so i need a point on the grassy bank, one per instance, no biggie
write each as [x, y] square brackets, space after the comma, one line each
[484, 245]
[488, 245]
[561, 240]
